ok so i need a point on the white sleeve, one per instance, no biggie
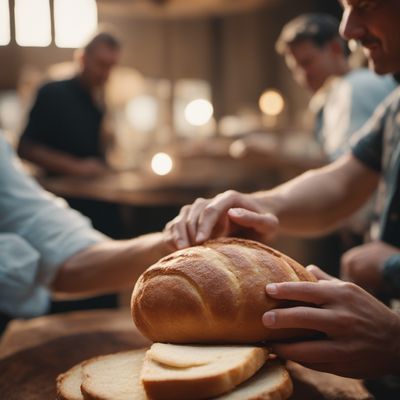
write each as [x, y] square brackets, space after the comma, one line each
[44, 221]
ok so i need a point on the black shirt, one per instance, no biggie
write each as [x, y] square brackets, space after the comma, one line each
[64, 117]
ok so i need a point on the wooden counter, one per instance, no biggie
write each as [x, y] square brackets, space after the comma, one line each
[34, 352]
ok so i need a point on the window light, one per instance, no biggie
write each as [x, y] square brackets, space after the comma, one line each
[32, 23]
[4, 23]
[75, 21]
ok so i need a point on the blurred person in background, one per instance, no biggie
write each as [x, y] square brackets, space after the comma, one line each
[63, 134]
[343, 99]
[66, 133]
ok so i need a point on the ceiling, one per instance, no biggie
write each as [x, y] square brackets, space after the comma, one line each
[177, 8]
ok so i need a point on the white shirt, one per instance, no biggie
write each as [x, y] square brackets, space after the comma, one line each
[38, 233]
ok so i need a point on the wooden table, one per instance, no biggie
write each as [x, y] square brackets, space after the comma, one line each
[129, 188]
[34, 352]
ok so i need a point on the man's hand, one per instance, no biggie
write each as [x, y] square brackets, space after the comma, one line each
[229, 214]
[363, 265]
[361, 332]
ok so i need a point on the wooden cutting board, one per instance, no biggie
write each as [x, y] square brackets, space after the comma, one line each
[31, 373]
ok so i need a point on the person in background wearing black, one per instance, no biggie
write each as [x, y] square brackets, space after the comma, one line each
[65, 136]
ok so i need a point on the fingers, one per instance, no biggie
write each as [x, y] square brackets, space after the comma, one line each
[318, 293]
[311, 352]
[216, 208]
[315, 319]
[192, 218]
[176, 232]
[265, 224]
[318, 273]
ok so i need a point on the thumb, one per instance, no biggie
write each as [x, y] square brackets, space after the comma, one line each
[265, 224]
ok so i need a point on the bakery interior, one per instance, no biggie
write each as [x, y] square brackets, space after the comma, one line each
[199, 103]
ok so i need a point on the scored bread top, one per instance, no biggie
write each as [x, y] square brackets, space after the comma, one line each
[213, 293]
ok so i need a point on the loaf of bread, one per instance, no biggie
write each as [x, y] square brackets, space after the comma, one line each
[182, 372]
[213, 293]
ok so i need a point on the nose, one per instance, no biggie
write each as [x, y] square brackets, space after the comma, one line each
[351, 26]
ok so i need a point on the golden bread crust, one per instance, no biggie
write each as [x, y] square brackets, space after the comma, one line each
[213, 293]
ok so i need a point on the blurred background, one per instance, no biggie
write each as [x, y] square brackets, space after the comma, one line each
[199, 103]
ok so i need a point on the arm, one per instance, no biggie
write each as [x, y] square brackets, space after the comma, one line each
[361, 334]
[364, 265]
[109, 266]
[59, 162]
[310, 204]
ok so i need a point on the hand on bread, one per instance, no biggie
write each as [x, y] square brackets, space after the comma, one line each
[361, 333]
[229, 214]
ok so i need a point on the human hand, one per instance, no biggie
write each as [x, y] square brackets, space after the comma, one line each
[228, 214]
[363, 265]
[361, 333]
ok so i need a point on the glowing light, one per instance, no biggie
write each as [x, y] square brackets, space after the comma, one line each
[32, 23]
[271, 103]
[75, 21]
[142, 113]
[4, 23]
[199, 112]
[161, 164]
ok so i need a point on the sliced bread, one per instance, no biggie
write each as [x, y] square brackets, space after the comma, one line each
[117, 377]
[271, 382]
[114, 377]
[69, 384]
[198, 372]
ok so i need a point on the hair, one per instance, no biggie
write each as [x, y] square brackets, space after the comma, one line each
[317, 28]
[102, 37]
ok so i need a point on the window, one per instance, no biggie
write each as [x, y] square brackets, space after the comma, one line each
[32, 23]
[75, 21]
[4, 23]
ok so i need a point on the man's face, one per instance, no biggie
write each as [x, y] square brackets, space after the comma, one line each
[376, 25]
[98, 63]
[310, 65]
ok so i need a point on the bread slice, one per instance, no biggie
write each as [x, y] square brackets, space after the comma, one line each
[69, 384]
[114, 377]
[198, 372]
[117, 377]
[271, 382]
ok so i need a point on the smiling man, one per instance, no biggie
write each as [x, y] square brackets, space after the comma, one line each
[361, 334]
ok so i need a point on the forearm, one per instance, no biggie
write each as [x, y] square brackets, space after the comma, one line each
[49, 159]
[110, 266]
[318, 200]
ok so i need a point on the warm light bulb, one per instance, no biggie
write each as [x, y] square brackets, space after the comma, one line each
[271, 103]
[161, 164]
[199, 112]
